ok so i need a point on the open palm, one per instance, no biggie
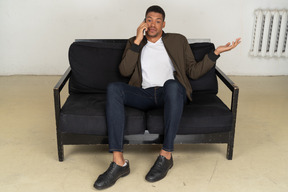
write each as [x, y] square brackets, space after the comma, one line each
[228, 46]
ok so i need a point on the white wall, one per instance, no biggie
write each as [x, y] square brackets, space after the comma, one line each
[35, 34]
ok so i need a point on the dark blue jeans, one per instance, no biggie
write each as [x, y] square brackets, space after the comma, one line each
[172, 97]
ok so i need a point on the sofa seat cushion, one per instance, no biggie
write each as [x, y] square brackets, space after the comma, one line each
[85, 114]
[205, 114]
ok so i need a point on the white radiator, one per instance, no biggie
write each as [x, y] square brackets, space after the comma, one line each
[270, 33]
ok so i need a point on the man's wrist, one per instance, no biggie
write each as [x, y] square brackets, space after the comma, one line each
[137, 42]
[216, 52]
[213, 56]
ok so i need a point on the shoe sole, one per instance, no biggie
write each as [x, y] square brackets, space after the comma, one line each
[101, 188]
[152, 181]
[125, 174]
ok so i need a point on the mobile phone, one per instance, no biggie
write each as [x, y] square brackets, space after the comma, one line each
[144, 29]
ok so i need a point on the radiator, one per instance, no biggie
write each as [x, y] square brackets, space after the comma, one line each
[270, 33]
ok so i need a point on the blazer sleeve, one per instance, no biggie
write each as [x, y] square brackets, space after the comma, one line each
[129, 58]
[197, 69]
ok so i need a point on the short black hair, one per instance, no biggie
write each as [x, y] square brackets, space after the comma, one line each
[157, 9]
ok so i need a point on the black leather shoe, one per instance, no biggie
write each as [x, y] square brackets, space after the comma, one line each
[109, 177]
[159, 169]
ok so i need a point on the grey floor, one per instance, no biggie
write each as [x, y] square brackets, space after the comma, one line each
[28, 156]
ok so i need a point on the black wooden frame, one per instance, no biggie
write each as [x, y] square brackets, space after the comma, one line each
[76, 139]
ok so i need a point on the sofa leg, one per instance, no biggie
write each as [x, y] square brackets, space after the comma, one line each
[229, 154]
[60, 148]
[60, 153]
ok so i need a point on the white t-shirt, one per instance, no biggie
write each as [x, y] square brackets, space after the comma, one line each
[156, 65]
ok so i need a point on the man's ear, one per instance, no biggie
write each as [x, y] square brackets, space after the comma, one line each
[163, 25]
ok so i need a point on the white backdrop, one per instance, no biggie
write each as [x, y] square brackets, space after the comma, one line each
[35, 34]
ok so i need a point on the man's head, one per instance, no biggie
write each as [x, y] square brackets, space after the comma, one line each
[156, 9]
[155, 17]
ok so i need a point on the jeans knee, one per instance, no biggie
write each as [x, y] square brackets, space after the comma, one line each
[114, 91]
[170, 82]
[114, 87]
[174, 86]
[174, 90]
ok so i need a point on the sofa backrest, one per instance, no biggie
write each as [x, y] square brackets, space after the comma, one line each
[207, 83]
[94, 65]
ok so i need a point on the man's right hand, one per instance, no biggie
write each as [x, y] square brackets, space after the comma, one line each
[140, 32]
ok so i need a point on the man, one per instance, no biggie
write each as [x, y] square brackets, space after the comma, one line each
[157, 64]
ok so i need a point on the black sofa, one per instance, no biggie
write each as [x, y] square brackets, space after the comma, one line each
[94, 64]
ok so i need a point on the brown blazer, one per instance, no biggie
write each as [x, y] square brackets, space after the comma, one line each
[180, 54]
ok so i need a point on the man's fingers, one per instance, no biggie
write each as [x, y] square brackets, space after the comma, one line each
[238, 40]
[144, 26]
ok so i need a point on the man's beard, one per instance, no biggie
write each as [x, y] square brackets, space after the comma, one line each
[155, 35]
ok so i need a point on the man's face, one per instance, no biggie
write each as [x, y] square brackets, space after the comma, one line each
[155, 24]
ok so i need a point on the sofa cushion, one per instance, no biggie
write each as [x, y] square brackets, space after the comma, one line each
[94, 65]
[208, 82]
[85, 114]
[205, 114]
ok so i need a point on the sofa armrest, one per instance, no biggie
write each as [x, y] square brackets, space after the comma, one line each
[57, 104]
[232, 86]
[61, 83]
[234, 103]
[226, 80]
[57, 89]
